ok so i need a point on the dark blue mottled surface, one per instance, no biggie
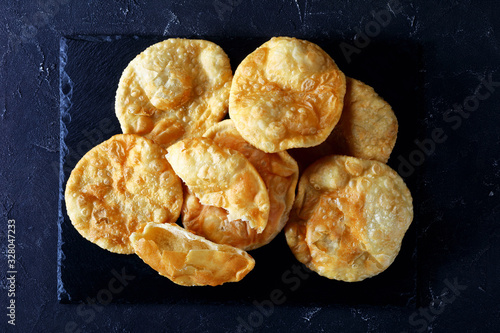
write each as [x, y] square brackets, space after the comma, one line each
[456, 188]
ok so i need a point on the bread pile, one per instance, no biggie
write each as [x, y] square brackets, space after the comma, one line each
[233, 182]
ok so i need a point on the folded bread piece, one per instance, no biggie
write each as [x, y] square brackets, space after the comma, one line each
[280, 173]
[187, 259]
[222, 177]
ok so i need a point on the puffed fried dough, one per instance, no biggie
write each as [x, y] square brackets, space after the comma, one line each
[367, 128]
[279, 172]
[288, 93]
[119, 184]
[187, 259]
[175, 89]
[349, 217]
[222, 177]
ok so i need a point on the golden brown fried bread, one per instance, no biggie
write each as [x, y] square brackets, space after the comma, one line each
[279, 172]
[175, 89]
[222, 177]
[118, 185]
[286, 94]
[349, 217]
[188, 259]
[367, 128]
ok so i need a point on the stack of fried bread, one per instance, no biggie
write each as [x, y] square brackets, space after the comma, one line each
[231, 182]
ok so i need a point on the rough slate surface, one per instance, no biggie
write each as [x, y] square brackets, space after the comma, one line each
[457, 182]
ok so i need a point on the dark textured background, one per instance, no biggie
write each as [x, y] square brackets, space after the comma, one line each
[456, 188]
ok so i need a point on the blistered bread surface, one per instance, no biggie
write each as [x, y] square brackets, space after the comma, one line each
[117, 187]
[174, 89]
[367, 129]
[288, 93]
[349, 217]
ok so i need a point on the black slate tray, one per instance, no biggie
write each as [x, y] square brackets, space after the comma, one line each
[90, 68]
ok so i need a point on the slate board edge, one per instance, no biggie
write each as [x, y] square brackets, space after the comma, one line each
[64, 106]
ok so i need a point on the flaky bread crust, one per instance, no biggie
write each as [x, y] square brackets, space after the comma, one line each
[187, 259]
[119, 184]
[222, 177]
[279, 172]
[288, 93]
[349, 218]
[174, 89]
[367, 128]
